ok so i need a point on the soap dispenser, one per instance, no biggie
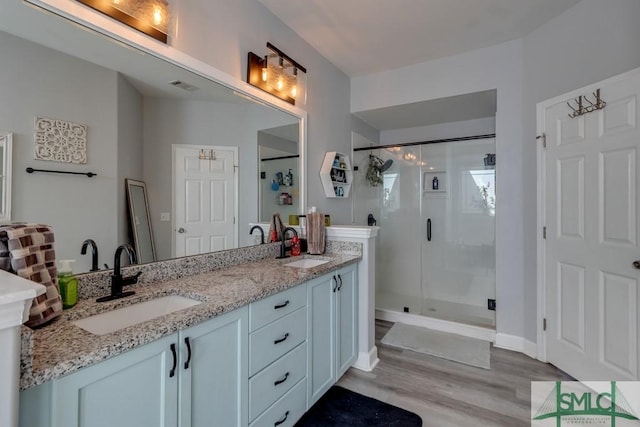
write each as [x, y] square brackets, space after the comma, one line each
[68, 284]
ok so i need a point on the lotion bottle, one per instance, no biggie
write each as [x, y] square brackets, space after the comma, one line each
[68, 284]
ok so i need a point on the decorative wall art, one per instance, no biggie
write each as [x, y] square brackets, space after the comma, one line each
[60, 141]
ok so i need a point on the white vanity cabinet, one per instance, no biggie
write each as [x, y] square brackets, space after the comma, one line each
[149, 386]
[278, 358]
[333, 327]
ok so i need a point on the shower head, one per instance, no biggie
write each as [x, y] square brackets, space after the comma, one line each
[386, 165]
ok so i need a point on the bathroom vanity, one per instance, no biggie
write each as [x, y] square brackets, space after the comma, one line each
[262, 342]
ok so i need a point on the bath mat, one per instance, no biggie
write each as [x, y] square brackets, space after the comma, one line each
[469, 351]
[342, 407]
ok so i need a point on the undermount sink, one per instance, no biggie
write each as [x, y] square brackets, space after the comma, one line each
[306, 263]
[121, 318]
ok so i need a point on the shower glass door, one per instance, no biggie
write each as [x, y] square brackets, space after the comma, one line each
[457, 226]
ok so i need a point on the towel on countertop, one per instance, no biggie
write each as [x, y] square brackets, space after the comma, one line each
[315, 233]
[27, 251]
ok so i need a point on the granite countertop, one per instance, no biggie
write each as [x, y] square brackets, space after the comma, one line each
[62, 348]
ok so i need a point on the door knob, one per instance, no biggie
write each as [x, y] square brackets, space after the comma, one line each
[636, 264]
[181, 230]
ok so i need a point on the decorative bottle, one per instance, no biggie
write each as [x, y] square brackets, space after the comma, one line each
[435, 184]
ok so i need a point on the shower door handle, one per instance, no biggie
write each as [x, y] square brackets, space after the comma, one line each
[429, 230]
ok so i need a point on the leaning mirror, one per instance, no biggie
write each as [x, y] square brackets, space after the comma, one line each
[5, 176]
[140, 221]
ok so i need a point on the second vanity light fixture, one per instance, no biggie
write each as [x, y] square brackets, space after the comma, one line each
[279, 75]
[148, 16]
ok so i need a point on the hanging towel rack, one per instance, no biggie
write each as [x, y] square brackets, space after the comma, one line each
[581, 107]
[88, 174]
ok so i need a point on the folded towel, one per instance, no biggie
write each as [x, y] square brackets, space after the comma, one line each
[315, 233]
[27, 251]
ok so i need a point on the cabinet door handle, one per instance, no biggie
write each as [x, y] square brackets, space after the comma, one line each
[282, 420]
[188, 343]
[278, 341]
[282, 380]
[336, 286]
[283, 305]
[172, 372]
[429, 230]
[340, 277]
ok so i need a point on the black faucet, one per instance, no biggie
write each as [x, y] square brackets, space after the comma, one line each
[283, 246]
[94, 253]
[117, 281]
[257, 227]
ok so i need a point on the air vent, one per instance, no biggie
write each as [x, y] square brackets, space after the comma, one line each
[184, 86]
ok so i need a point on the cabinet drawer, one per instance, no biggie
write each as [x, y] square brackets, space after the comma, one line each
[286, 411]
[275, 380]
[274, 340]
[274, 307]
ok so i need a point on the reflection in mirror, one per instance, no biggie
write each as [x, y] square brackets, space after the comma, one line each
[279, 172]
[136, 107]
[5, 175]
[140, 222]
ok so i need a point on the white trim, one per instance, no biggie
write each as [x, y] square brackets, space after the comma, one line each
[437, 324]
[515, 343]
[367, 361]
[541, 127]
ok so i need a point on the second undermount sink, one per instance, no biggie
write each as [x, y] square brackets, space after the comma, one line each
[121, 318]
[307, 263]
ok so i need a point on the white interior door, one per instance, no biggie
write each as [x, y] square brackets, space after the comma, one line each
[204, 199]
[591, 216]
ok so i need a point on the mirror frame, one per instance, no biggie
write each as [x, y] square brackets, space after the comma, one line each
[130, 183]
[6, 143]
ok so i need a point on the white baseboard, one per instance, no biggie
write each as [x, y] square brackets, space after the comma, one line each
[515, 343]
[367, 360]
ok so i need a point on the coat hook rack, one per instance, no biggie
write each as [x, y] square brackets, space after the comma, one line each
[204, 155]
[88, 174]
[584, 105]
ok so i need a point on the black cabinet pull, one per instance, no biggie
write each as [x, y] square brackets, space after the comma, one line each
[282, 339]
[340, 277]
[282, 380]
[188, 343]
[336, 286]
[283, 305]
[429, 230]
[277, 423]
[172, 372]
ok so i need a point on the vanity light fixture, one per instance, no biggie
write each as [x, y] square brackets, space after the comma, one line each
[148, 16]
[279, 75]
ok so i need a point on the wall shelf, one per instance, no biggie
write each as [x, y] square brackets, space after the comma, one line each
[428, 184]
[336, 175]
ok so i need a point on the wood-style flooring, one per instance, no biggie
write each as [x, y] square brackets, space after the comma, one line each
[450, 394]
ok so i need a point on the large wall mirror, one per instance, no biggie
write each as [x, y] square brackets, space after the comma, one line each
[136, 107]
[140, 221]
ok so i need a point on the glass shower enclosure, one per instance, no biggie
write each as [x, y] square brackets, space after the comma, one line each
[435, 206]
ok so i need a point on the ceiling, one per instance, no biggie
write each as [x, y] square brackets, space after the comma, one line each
[366, 36]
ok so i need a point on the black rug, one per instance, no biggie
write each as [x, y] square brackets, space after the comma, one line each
[341, 407]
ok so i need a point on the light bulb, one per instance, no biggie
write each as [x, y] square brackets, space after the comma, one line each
[280, 83]
[157, 16]
[294, 91]
[264, 74]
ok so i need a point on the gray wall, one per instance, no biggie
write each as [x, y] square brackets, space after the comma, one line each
[36, 81]
[129, 149]
[221, 34]
[591, 41]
